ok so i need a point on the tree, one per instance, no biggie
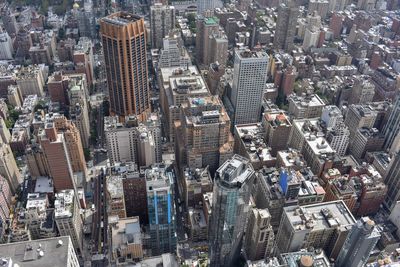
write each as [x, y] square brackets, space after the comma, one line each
[192, 21]
[44, 7]
[61, 34]
[40, 105]
[86, 152]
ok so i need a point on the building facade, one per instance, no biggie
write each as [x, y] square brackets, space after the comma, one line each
[233, 181]
[249, 78]
[124, 47]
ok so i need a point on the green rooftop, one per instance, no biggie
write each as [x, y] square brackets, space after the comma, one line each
[211, 20]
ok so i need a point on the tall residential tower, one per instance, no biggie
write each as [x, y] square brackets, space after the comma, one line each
[124, 46]
[286, 26]
[249, 78]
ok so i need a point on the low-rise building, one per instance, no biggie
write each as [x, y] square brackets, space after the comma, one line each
[308, 106]
[249, 143]
[323, 225]
[126, 240]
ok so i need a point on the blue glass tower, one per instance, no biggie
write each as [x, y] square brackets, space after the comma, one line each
[161, 210]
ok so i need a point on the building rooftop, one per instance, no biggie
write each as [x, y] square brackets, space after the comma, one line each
[306, 258]
[37, 201]
[320, 216]
[37, 253]
[319, 146]
[291, 158]
[115, 187]
[276, 119]
[252, 137]
[158, 176]
[44, 184]
[124, 231]
[308, 126]
[305, 101]
[197, 218]
[121, 18]
[201, 176]
[235, 170]
[64, 204]
[247, 54]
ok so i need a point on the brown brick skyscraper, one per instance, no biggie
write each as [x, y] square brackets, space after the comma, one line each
[124, 45]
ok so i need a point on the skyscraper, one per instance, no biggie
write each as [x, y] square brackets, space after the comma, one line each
[162, 20]
[286, 26]
[392, 127]
[124, 46]
[232, 186]
[249, 78]
[205, 28]
[8, 167]
[55, 149]
[393, 182]
[359, 244]
[161, 210]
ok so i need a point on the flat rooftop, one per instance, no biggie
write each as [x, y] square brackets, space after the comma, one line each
[114, 186]
[320, 216]
[121, 18]
[125, 231]
[26, 254]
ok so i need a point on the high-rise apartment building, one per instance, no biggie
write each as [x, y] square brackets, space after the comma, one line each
[363, 91]
[68, 218]
[359, 116]
[176, 86]
[55, 149]
[259, 240]
[36, 161]
[392, 127]
[162, 20]
[205, 26]
[124, 45]
[203, 136]
[366, 140]
[359, 244]
[339, 138]
[393, 182]
[8, 167]
[78, 110]
[249, 78]
[133, 141]
[232, 185]
[286, 26]
[73, 142]
[161, 210]
[173, 53]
